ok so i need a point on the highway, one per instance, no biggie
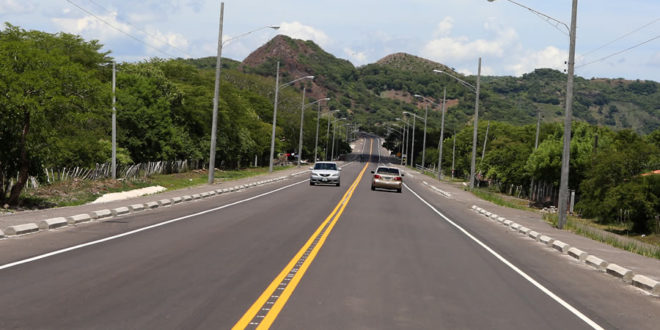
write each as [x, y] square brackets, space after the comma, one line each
[293, 256]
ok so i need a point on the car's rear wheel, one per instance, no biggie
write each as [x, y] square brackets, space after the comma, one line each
[337, 183]
[372, 187]
[311, 183]
[398, 190]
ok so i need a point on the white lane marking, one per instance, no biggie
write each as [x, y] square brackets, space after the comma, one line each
[543, 289]
[80, 246]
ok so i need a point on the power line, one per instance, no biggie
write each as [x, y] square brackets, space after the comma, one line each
[141, 30]
[619, 52]
[120, 30]
[621, 37]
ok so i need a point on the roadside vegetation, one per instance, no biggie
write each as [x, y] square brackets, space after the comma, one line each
[78, 192]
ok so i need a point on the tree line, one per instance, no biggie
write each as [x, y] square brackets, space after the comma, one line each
[609, 170]
[55, 105]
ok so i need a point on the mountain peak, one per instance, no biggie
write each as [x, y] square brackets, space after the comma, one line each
[408, 62]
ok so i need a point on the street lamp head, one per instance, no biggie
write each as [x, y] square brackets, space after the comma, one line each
[274, 27]
[309, 77]
[438, 71]
[418, 96]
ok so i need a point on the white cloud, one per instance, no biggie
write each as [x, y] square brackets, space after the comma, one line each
[15, 7]
[300, 31]
[447, 48]
[549, 57]
[444, 27]
[160, 39]
[92, 27]
[357, 58]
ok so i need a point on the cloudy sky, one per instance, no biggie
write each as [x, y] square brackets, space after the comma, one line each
[510, 39]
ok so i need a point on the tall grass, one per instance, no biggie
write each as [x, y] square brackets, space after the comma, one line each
[582, 227]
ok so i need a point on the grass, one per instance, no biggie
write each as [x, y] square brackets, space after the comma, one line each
[648, 246]
[79, 192]
[501, 200]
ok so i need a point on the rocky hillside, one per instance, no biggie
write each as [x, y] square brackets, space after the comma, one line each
[377, 93]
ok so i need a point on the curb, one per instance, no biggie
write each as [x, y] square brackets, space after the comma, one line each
[73, 220]
[626, 275]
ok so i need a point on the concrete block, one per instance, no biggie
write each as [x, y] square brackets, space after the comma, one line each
[547, 240]
[151, 205]
[176, 200]
[577, 254]
[647, 284]
[78, 218]
[501, 219]
[534, 235]
[136, 207]
[186, 198]
[224, 191]
[120, 211]
[100, 214]
[165, 202]
[596, 262]
[507, 223]
[494, 216]
[524, 230]
[514, 226]
[204, 194]
[617, 271]
[21, 229]
[2, 234]
[560, 246]
[211, 192]
[474, 207]
[218, 191]
[52, 223]
[196, 196]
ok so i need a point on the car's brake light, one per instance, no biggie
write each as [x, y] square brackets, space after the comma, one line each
[398, 178]
[376, 176]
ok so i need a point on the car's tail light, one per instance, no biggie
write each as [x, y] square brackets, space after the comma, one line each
[398, 178]
[376, 176]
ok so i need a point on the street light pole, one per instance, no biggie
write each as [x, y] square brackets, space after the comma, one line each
[302, 117]
[114, 122]
[476, 116]
[272, 136]
[426, 114]
[476, 127]
[442, 132]
[216, 95]
[318, 119]
[277, 92]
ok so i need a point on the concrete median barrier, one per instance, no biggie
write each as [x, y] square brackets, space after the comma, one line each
[617, 271]
[151, 205]
[596, 262]
[78, 218]
[647, 284]
[120, 211]
[21, 229]
[136, 207]
[52, 223]
[560, 246]
[577, 254]
[100, 214]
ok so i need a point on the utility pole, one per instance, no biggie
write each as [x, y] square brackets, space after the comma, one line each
[453, 155]
[114, 122]
[214, 124]
[565, 159]
[476, 126]
[272, 138]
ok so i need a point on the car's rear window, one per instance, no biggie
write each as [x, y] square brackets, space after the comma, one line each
[388, 170]
[325, 166]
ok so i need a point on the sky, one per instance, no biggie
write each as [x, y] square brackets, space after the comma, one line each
[615, 39]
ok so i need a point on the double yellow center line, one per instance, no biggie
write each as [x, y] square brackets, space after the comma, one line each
[267, 307]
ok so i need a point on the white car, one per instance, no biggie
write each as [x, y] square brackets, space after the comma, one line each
[325, 173]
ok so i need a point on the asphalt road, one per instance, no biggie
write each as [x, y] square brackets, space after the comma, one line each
[294, 256]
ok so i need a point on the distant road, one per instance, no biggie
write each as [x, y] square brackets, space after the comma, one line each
[294, 256]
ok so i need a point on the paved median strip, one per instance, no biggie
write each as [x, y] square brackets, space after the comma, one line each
[626, 275]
